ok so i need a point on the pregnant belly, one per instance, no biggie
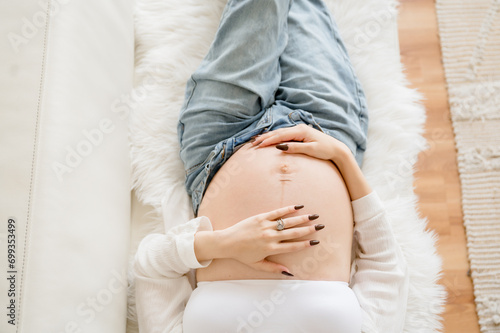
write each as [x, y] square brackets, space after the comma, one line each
[257, 180]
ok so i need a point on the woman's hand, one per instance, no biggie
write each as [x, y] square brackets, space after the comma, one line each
[313, 142]
[251, 240]
[320, 145]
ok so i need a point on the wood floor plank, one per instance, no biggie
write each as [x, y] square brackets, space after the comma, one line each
[437, 182]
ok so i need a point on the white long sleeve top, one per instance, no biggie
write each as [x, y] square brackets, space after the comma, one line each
[380, 279]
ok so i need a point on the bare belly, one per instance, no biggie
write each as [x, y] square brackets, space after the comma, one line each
[257, 180]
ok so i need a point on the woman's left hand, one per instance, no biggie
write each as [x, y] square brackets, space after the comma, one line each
[312, 142]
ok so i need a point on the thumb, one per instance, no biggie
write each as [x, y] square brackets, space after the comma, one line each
[271, 267]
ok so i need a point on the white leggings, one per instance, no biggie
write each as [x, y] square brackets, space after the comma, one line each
[246, 306]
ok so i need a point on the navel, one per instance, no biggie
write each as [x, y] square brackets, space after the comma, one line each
[284, 167]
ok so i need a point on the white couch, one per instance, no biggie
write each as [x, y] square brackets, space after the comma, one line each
[66, 68]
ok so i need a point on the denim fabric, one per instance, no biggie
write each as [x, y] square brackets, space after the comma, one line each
[272, 64]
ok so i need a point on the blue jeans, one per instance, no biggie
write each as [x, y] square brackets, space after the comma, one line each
[272, 64]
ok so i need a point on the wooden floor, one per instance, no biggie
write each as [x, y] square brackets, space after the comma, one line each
[437, 182]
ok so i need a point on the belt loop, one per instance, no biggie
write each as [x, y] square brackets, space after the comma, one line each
[230, 146]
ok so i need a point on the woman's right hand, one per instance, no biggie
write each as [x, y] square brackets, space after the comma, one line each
[251, 240]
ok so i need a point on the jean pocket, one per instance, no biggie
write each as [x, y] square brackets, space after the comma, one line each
[204, 163]
[262, 125]
[308, 119]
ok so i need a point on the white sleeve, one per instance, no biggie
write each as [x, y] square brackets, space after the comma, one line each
[161, 287]
[381, 280]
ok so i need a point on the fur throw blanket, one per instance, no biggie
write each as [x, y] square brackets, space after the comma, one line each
[172, 37]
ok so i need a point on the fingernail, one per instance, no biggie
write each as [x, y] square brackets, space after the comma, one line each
[286, 273]
[299, 207]
[282, 146]
[314, 242]
[313, 217]
[319, 226]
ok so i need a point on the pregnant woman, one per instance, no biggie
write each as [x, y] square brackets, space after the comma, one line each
[272, 133]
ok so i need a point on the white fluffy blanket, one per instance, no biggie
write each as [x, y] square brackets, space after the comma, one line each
[172, 36]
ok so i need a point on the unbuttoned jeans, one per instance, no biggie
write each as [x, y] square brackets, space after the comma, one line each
[272, 64]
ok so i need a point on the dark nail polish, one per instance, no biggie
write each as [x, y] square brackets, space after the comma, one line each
[286, 273]
[313, 217]
[319, 226]
[314, 242]
[282, 146]
[299, 207]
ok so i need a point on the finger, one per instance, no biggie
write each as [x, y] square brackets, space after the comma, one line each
[306, 148]
[294, 233]
[275, 214]
[290, 222]
[294, 133]
[262, 137]
[258, 140]
[287, 247]
[270, 266]
[277, 138]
